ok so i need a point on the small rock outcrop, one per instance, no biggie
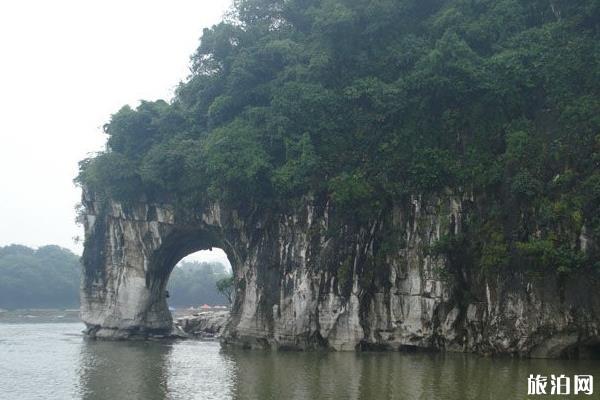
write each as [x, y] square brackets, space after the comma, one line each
[203, 325]
[307, 279]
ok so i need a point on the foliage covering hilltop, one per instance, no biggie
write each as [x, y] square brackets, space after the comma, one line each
[368, 101]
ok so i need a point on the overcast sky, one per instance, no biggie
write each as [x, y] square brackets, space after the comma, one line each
[65, 66]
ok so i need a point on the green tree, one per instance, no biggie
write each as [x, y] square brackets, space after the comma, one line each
[226, 286]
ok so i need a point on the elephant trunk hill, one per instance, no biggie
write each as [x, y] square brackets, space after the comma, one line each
[391, 174]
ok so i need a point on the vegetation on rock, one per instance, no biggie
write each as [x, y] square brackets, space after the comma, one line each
[366, 102]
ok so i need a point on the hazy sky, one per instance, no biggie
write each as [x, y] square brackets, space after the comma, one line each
[65, 66]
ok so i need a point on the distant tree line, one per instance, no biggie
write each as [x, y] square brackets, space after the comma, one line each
[49, 278]
[44, 278]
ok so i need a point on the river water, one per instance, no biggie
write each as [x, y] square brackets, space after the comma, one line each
[44, 357]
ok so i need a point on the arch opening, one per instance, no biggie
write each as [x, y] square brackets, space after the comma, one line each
[194, 282]
[173, 248]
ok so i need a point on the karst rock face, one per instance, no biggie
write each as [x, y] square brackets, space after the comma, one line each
[305, 279]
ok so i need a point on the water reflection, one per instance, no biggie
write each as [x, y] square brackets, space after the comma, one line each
[154, 370]
[277, 375]
[51, 361]
[366, 376]
[124, 370]
[201, 370]
[375, 376]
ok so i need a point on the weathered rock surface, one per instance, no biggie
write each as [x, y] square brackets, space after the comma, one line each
[207, 324]
[306, 279]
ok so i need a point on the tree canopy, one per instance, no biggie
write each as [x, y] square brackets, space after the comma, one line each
[368, 101]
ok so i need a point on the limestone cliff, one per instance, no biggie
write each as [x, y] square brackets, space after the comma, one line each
[306, 279]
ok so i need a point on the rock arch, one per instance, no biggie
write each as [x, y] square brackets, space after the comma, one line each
[305, 281]
[130, 251]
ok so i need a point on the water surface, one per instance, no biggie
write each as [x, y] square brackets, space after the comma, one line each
[50, 360]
